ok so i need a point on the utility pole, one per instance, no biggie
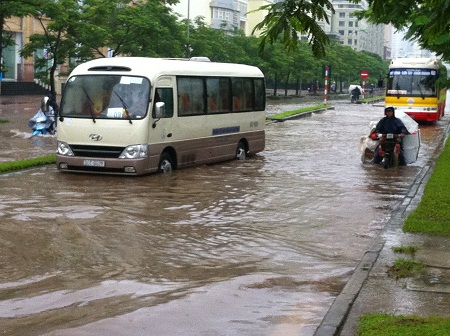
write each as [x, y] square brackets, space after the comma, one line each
[188, 45]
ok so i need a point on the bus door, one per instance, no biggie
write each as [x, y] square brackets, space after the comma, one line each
[163, 125]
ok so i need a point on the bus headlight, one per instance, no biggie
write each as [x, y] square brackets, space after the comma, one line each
[135, 152]
[63, 148]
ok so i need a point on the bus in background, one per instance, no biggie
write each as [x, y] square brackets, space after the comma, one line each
[136, 115]
[414, 87]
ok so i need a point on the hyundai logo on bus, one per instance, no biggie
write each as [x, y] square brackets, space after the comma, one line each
[95, 137]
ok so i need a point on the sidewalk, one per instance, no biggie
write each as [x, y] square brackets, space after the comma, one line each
[371, 290]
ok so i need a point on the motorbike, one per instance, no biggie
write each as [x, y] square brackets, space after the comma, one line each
[389, 149]
[44, 121]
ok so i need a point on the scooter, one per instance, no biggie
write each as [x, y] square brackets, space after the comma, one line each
[353, 98]
[44, 121]
[389, 149]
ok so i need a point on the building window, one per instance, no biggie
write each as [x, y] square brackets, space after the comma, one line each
[221, 14]
[341, 32]
[342, 15]
[350, 23]
[341, 23]
[349, 41]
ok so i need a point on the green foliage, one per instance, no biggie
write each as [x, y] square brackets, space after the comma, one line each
[411, 250]
[426, 21]
[290, 18]
[7, 167]
[299, 111]
[404, 268]
[389, 325]
[88, 29]
[433, 213]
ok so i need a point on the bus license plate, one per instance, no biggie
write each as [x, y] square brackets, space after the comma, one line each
[94, 163]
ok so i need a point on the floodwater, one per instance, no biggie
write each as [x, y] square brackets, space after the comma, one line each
[252, 248]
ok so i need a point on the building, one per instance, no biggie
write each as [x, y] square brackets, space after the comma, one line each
[224, 14]
[358, 34]
[343, 24]
[17, 67]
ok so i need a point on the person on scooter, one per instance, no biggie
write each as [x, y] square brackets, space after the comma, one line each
[355, 93]
[389, 124]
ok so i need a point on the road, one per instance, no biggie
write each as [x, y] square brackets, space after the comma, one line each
[259, 247]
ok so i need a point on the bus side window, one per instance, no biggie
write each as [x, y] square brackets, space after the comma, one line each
[260, 94]
[191, 96]
[164, 95]
[218, 94]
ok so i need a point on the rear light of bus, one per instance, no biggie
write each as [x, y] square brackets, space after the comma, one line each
[63, 148]
[135, 152]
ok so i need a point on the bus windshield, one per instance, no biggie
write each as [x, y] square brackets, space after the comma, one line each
[106, 97]
[412, 82]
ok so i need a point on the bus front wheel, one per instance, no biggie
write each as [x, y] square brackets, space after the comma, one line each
[241, 151]
[165, 163]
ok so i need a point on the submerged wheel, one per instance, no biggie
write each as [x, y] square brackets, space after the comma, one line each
[166, 164]
[387, 161]
[241, 151]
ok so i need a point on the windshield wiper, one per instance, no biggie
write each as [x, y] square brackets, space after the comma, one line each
[420, 90]
[91, 103]
[124, 105]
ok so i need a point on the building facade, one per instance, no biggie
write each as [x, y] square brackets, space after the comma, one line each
[20, 29]
[358, 34]
[229, 15]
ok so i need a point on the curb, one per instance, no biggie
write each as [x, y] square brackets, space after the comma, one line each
[336, 316]
[299, 115]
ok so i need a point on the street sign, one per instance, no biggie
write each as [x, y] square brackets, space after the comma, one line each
[364, 74]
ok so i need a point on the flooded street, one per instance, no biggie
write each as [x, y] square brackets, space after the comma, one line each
[249, 248]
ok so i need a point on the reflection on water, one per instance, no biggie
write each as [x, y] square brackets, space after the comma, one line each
[259, 247]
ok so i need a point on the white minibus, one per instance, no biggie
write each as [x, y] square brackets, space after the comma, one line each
[136, 115]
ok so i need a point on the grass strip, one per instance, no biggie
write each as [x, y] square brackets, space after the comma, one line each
[432, 215]
[389, 325]
[11, 166]
[299, 111]
[405, 268]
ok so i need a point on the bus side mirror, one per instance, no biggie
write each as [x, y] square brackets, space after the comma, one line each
[160, 110]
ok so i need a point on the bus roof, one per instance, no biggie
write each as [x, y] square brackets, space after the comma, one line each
[154, 67]
[415, 62]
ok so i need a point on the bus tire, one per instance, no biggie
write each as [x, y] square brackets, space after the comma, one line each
[241, 151]
[166, 164]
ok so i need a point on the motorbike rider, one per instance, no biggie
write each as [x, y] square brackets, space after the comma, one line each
[44, 121]
[389, 124]
[356, 92]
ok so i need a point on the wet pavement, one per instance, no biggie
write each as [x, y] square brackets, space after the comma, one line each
[260, 247]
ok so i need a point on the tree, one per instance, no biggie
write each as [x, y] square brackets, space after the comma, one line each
[56, 19]
[291, 18]
[146, 28]
[426, 21]
[89, 28]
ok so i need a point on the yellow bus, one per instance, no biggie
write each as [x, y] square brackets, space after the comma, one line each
[136, 115]
[414, 87]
